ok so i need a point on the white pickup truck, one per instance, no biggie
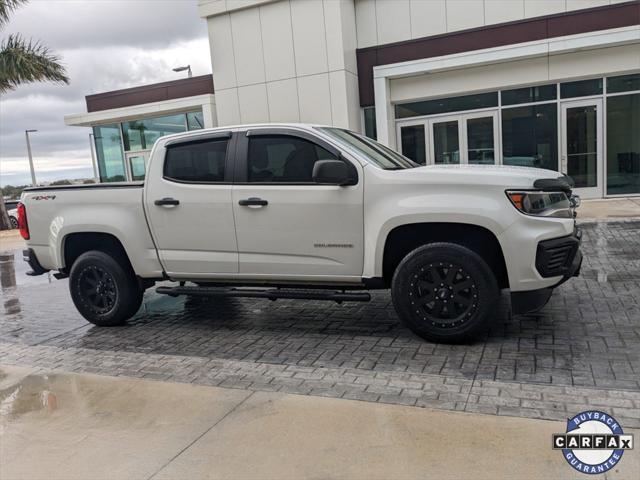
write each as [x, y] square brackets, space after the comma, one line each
[304, 211]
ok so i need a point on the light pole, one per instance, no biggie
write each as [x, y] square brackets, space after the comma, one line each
[33, 172]
[182, 69]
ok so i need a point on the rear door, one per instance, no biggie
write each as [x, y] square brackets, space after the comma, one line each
[288, 226]
[188, 203]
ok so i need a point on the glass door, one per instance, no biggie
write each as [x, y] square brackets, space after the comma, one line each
[452, 139]
[445, 140]
[481, 138]
[582, 145]
[137, 165]
[412, 141]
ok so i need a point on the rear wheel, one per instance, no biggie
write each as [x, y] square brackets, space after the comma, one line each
[14, 222]
[104, 289]
[444, 292]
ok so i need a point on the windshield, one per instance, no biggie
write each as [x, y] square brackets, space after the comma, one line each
[372, 151]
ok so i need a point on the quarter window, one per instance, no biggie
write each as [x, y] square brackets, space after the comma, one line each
[283, 159]
[198, 162]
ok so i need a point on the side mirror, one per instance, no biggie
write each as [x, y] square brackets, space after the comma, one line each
[333, 172]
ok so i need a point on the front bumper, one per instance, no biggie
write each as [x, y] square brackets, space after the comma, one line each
[558, 256]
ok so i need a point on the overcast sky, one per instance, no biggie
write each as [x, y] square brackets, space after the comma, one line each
[105, 45]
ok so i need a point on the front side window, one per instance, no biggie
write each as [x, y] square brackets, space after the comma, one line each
[198, 162]
[370, 150]
[283, 159]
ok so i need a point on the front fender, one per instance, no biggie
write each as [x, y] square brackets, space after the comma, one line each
[469, 208]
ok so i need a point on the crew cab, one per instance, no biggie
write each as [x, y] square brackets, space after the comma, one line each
[304, 211]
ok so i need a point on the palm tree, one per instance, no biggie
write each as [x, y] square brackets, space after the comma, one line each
[23, 61]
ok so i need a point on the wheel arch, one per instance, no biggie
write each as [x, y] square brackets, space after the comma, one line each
[75, 244]
[405, 238]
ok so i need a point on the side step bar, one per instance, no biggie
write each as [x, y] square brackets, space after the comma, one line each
[271, 293]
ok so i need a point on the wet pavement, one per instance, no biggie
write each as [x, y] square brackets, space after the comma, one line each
[581, 351]
[78, 426]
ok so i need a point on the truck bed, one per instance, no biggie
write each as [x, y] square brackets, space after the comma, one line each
[55, 212]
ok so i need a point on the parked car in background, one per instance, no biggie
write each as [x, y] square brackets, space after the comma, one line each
[13, 216]
[305, 211]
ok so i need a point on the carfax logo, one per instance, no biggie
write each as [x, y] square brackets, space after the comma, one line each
[594, 442]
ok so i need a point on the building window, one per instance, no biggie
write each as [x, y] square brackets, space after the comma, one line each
[623, 144]
[623, 83]
[109, 153]
[370, 129]
[141, 134]
[196, 162]
[540, 93]
[195, 120]
[445, 105]
[581, 88]
[138, 168]
[530, 136]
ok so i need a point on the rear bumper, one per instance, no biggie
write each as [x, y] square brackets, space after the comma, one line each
[557, 256]
[29, 256]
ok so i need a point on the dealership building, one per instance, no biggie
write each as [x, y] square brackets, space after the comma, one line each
[546, 83]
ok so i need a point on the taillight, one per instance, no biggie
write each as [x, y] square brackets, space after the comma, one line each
[22, 221]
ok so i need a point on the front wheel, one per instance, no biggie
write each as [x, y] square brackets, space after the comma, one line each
[104, 289]
[444, 292]
[14, 222]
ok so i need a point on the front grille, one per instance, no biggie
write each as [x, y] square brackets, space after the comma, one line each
[554, 257]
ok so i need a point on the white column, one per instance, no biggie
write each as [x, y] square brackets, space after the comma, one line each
[384, 112]
[209, 115]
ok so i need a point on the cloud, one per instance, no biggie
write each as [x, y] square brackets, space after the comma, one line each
[98, 23]
[105, 45]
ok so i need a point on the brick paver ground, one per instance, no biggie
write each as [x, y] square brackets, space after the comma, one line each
[581, 351]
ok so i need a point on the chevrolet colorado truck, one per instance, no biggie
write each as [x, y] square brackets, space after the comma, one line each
[312, 212]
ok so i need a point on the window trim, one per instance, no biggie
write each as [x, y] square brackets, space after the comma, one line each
[242, 153]
[228, 163]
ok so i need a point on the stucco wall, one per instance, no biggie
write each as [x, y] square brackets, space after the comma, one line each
[386, 21]
[291, 61]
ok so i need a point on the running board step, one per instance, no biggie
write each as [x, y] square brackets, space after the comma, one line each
[271, 293]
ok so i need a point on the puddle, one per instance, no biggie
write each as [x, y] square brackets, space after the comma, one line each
[31, 394]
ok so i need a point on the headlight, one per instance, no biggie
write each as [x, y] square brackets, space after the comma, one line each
[542, 204]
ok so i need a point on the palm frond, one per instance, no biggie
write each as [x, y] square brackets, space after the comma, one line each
[24, 62]
[7, 7]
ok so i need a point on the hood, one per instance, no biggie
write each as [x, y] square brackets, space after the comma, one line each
[499, 175]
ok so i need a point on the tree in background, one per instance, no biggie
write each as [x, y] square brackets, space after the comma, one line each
[23, 61]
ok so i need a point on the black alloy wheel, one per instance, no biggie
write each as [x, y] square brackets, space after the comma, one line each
[445, 292]
[104, 288]
[98, 288]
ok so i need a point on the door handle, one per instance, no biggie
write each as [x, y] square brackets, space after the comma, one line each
[253, 201]
[167, 201]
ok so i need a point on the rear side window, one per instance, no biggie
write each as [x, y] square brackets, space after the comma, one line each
[198, 162]
[283, 159]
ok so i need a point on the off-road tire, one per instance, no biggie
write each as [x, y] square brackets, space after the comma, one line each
[444, 292]
[116, 296]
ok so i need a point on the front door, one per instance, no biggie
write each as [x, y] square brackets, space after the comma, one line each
[288, 226]
[470, 138]
[581, 146]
